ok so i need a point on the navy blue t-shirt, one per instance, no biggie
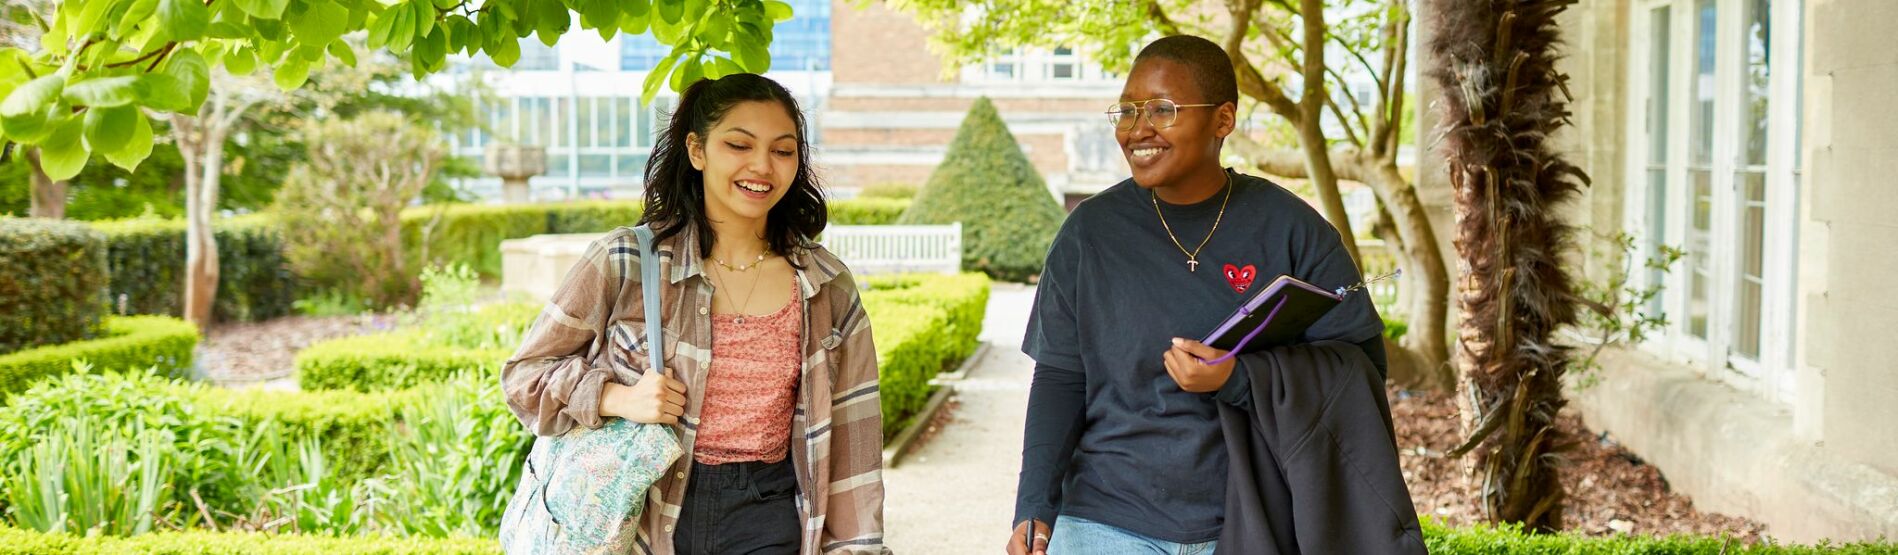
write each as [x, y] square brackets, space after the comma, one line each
[1147, 456]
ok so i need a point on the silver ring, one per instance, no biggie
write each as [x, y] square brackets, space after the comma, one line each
[1042, 537]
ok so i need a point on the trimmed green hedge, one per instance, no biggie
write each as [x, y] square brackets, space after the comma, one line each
[147, 259]
[52, 281]
[441, 346]
[1441, 541]
[472, 233]
[1008, 218]
[1486, 540]
[17, 541]
[386, 361]
[160, 342]
[923, 325]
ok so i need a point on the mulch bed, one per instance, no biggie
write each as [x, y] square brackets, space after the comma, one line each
[240, 352]
[1610, 490]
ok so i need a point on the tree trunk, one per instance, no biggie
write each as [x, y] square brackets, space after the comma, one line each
[1495, 62]
[49, 196]
[203, 153]
[1428, 278]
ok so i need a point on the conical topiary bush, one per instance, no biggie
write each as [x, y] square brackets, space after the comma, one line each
[1008, 218]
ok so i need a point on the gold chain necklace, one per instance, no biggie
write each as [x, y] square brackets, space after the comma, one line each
[741, 267]
[1192, 258]
[739, 308]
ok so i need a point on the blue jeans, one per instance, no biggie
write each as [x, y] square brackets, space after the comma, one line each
[1074, 535]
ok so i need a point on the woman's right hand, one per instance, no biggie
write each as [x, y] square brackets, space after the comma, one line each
[655, 399]
[1019, 543]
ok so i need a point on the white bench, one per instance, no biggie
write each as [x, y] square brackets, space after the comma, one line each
[885, 249]
[535, 265]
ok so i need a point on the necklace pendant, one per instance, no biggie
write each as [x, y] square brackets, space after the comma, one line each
[740, 320]
[1192, 265]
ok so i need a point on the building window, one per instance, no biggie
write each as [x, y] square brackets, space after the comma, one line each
[1711, 162]
[1064, 65]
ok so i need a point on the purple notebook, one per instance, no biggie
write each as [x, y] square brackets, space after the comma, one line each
[1276, 315]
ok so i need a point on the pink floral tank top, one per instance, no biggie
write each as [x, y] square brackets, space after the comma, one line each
[751, 387]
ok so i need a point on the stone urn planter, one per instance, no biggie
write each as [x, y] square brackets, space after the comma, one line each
[514, 164]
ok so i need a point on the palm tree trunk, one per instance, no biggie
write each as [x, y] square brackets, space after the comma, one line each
[1495, 61]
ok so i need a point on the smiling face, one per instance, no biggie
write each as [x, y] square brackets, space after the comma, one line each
[749, 160]
[1171, 156]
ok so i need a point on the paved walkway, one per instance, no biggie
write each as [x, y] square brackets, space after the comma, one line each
[955, 495]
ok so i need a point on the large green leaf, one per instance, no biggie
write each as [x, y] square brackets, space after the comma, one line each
[183, 20]
[324, 22]
[507, 53]
[779, 11]
[343, 53]
[241, 61]
[108, 129]
[671, 11]
[752, 56]
[635, 22]
[105, 92]
[34, 96]
[658, 76]
[94, 12]
[551, 21]
[190, 69]
[62, 154]
[164, 92]
[292, 74]
[137, 146]
[136, 13]
[381, 28]
[264, 9]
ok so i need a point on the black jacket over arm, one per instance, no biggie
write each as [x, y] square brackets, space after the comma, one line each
[1313, 459]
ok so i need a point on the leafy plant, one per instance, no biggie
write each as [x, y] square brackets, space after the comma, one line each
[456, 456]
[1617, 308]
[86, 477]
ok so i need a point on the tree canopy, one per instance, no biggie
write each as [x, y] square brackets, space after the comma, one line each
[101, 65]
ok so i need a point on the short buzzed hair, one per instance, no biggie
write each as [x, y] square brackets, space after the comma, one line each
[1212, 70]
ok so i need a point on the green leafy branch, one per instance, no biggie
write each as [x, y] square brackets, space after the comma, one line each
[101, 65]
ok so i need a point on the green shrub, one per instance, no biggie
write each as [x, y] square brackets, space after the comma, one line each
[1486, 540]
[387, 361]
[923, 325]
[1008, 217]
[147, 260]
[14, 541]
[158, 342]
[52, 281]
[196, 443]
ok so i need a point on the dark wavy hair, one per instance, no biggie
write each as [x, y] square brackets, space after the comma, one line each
[675, 191]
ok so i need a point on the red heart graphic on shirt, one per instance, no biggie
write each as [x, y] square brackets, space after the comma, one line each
[1241, 278]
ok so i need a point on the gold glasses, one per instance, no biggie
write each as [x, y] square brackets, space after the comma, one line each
[1161, 112]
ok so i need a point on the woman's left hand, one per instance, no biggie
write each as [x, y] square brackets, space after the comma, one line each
[1183, 363]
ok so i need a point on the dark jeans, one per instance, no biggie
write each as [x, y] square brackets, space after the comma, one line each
[739, 508]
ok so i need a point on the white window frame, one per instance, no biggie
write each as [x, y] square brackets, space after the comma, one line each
[1773, 374]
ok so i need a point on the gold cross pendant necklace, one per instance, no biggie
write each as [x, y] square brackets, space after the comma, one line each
[1192, 258]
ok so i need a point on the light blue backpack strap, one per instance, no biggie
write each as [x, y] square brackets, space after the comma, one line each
[649, 282]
